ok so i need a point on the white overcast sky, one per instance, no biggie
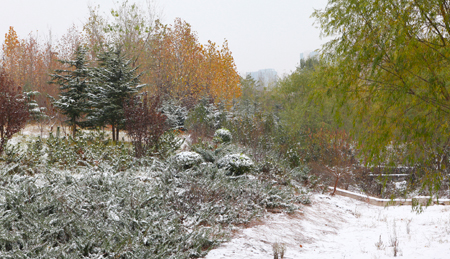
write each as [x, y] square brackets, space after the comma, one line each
[261, 33]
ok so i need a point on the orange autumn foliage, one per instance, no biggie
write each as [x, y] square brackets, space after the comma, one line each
[186, 70]
[28, 63]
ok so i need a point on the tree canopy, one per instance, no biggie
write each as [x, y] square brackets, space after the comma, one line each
[388, 66]
[390, 60]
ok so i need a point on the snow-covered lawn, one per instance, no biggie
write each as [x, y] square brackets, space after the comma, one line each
[341, 227]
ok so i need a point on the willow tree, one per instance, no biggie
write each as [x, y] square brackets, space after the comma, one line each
[390, 61]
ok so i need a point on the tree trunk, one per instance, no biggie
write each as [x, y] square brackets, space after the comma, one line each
[74, 130]
[335, 184]
[117, 134]
[113, 133]
[2, 143]
[2, 139]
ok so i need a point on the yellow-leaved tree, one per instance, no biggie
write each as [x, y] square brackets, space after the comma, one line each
[186, 70]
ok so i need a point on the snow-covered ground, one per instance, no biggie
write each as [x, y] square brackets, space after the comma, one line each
[341, 227]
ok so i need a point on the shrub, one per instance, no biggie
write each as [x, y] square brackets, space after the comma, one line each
[204, 119]
[222, 136]
[13, 109]
[186, 160]
[236, 164]
[145, 124]
[94, 200]
[85, 151]
[167, 144]
[175, 113]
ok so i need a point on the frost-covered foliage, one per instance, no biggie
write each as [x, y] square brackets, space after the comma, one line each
[168, 144]
[37, 113]
[186, 159]
[141, 212]
[222, 136]
[175, 113]
[206, 114]
[300, 174]
[87, 150]
[236, 164]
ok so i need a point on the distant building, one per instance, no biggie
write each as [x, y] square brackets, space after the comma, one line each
[265, 78]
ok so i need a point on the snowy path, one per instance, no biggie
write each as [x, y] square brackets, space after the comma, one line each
[340, 227]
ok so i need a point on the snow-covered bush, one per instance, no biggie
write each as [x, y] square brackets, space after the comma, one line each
[207, 114]
[186, 159]
[300, 174]
[175, 113]
[168, 144]
[236, 164]
[222, 136]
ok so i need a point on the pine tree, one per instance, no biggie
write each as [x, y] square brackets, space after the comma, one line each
[74, 89]
[115, 82]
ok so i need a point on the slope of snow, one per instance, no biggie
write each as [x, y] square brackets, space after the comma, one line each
[341, 227]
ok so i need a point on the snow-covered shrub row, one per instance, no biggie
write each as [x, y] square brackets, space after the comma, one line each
[69, 198]
[222, 136]
[236, 164]
[105, 213]
[87, 150]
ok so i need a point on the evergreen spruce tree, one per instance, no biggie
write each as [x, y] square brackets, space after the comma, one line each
[74, 88]
[115, 82]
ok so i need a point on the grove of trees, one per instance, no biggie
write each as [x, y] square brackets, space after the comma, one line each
[85, 77]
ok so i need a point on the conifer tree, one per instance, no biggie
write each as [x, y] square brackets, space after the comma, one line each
[115, 82]
[74, 89]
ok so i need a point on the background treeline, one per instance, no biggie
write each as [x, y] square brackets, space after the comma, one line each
[169, 58]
